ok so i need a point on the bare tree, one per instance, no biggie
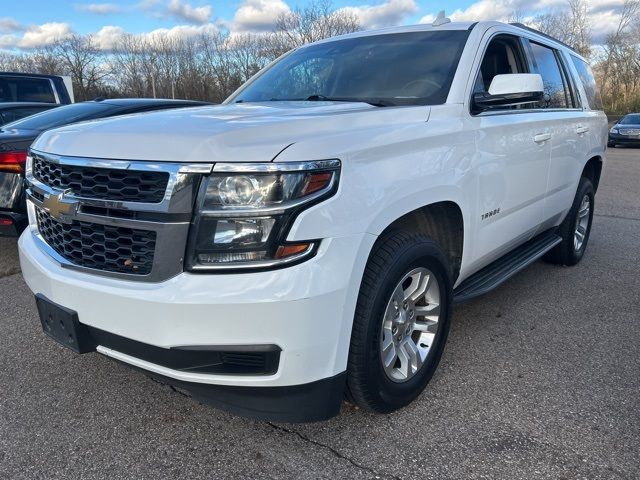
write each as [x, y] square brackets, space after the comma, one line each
[569, 25]
[83, 61]
[619, 66]
[314, 22]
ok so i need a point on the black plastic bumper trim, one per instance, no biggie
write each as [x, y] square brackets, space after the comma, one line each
[309, 402]
[19, 223]
[210, 359]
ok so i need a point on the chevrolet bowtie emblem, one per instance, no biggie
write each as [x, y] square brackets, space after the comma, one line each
[61, 208]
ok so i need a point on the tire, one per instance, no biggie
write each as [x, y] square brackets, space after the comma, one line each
[568, 252]
[370, 385]
[611, 145]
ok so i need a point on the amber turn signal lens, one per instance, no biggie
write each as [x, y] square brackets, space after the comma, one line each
[315, 182]
[285, 251]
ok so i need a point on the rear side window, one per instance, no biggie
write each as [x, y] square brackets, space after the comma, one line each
[64, 115]
[24, 89]
[14, 114]
[589, 83]
[556, 91]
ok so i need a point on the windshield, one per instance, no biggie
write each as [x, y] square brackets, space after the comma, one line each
[631, 120]
[414, 68]
[59, 116]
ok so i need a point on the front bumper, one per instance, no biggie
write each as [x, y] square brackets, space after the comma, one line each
[305, 310]
[13, 213]
[616, 139]
[12, 223]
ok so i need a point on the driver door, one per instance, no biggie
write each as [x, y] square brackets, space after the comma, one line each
[512, 163]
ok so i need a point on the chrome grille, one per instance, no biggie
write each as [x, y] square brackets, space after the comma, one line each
[103, 247]
[91, 231]
[103, 183]
[630, 131]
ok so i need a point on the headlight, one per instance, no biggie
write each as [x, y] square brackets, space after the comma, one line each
[245, 211]
[614, 130]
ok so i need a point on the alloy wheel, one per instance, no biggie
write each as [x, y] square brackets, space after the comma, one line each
[410, 324]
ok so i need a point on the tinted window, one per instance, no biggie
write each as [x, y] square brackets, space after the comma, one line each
[630, 120]
[13, 114]
[401, 69]
[589, 83]
[18, 89]
[61, 116]
[556, 93]
[503, 56]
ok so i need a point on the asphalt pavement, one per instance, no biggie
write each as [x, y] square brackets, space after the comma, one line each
[540, 379]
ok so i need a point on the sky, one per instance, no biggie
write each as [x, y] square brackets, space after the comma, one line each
[29, 24]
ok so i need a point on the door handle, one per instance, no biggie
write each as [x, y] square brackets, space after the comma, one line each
[541, 137]
[580, 130]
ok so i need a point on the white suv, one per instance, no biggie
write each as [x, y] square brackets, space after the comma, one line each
[306, 239]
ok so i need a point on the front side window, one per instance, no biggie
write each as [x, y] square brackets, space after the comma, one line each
[503, 56]
[588, 83]
[556, 91]
[414, 68]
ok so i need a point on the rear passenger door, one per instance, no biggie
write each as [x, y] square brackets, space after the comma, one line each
[562, 111]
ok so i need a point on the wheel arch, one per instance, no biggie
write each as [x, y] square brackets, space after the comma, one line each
[593, 170]
[443, 221]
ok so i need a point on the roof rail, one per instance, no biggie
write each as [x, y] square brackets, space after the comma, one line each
[542, 34]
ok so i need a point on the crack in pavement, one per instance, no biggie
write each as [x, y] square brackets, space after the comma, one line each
[9, 272]
[619, 217]
[333, 451]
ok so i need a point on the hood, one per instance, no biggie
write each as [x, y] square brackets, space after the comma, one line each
[222, 133]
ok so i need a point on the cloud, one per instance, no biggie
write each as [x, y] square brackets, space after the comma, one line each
[182, 32]
[41, 35]
[389, 13]
[9, 41]
[258, 15]
[10, 25]
[107, 37]
[99, 8]
[188, 13]
[603, 15]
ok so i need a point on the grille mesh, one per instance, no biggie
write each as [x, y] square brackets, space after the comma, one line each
[103, 183]
[630, 131]
[104, 247]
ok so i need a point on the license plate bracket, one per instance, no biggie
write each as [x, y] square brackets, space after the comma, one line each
[62, 324]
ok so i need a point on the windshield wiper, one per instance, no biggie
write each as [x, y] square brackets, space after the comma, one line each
[376, 102]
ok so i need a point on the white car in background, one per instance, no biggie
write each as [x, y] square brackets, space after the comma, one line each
[306, 239]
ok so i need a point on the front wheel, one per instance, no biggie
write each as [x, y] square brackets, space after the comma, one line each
[576, 227]
[401, 322]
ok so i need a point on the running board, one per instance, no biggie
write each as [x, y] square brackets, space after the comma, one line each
[505, 267]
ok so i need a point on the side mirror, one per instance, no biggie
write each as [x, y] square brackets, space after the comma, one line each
[509, 90]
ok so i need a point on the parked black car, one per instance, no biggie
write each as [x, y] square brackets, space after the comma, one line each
[626, 131]
[12, 111]
[16, 137]
[33, 87]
